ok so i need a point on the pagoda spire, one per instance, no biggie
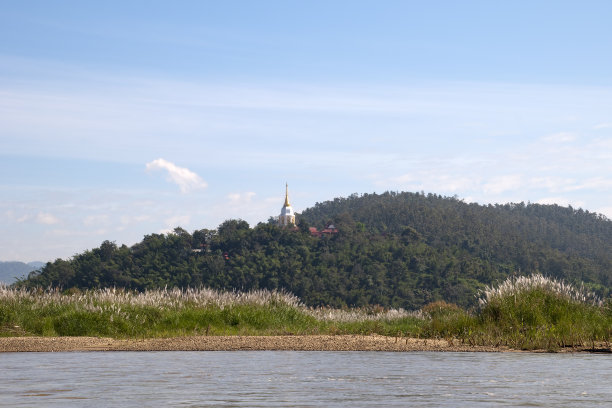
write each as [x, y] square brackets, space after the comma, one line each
[287, 195]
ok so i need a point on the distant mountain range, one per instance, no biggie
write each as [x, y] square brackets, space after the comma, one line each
[10, 271]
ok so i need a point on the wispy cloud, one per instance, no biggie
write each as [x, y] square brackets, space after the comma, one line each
[502, 184]
[91, 220]
[562, 201]
[552, 168]
[174, 222]
[80, 113]
[186, 179]
[23, 218]
[433, 180]
[603, 126]
[47, 219]
[484, 141]
[561, 137]
[43, 218]
[127, 220]
[607, 211]
[239, 198]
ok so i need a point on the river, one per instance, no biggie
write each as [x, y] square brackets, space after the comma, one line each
[304, 379]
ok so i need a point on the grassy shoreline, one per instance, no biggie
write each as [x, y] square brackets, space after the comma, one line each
[534, 313]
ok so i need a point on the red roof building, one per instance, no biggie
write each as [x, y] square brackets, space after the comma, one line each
[328, 231]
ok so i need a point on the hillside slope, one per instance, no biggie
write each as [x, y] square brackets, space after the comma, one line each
[558, 241]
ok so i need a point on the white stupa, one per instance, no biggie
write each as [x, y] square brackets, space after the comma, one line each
[287, 215]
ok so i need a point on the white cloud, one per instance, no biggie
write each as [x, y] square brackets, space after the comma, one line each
[607, 211]
[47, 219]
[561, 137]
[40, 218]
[562, 201]
[595, 183]
[127, 220]
[239, 198]
[186, 179]
[430, 181]
[602, 126]
[550, 183]
[175, 221]
[23, 218]
[474, 140]
[564, 185]
[76, 233]
[503, 183]
[95, 220]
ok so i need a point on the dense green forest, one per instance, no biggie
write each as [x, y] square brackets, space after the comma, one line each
[392, 249]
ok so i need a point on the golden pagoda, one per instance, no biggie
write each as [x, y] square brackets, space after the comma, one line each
[287, 215]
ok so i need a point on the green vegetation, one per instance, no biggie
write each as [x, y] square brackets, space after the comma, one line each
[162, 313]
[396, 250]
[523, 313]
[537, 312]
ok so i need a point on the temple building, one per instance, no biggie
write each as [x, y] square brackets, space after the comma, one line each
[287, 215]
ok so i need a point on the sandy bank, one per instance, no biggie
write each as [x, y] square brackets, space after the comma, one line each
[229, 343]
[195, 343]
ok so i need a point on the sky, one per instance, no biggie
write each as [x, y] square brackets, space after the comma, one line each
[120, 119]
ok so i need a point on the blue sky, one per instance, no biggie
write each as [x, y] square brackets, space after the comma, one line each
[124, 118]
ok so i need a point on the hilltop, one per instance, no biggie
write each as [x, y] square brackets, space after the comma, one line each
[392, 249]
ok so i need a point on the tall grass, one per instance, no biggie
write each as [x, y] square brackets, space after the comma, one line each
[544, 313]
[160, 313]
[514, 286]
[119, 313]
[526, 313]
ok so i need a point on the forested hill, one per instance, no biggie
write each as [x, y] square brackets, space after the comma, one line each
[518, 234]
[393, 249]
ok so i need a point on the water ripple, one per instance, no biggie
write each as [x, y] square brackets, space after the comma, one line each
[303, 379]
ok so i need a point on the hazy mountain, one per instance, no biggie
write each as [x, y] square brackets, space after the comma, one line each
[10, 271]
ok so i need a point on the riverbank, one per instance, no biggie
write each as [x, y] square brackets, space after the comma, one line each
[533, 313]
[234, 343]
